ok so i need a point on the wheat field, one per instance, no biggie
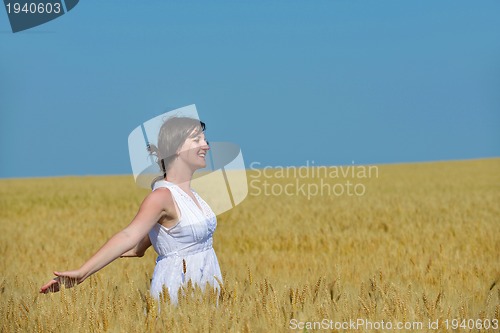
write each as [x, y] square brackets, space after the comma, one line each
[420, 245]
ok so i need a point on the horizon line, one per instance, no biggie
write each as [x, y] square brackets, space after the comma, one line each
[267, 167]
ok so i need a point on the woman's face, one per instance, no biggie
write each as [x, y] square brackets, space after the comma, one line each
[194, 150]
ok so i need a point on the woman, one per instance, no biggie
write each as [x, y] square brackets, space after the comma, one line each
[173, 218]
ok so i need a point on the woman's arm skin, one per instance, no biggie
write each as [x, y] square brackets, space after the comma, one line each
[157, 205]
[139, 249]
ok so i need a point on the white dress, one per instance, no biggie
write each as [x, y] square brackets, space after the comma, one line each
[185, 250]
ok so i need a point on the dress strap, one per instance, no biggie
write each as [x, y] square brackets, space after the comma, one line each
[162, 184]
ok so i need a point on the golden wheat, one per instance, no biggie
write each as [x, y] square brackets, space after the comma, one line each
[420, 245]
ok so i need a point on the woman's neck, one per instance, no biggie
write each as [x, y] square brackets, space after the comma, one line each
[181, 178]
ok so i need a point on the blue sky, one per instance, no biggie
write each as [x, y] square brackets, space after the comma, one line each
[289, 81]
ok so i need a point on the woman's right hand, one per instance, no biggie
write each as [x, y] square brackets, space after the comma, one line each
[69, 279]
[152, 209]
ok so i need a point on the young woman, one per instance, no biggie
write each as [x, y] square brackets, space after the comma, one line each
[173, 218]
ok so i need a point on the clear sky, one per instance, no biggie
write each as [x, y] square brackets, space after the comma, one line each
[289, 81]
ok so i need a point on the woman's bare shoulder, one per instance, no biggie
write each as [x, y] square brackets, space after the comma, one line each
[163, 197]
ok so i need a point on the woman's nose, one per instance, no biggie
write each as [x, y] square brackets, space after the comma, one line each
[206, 146]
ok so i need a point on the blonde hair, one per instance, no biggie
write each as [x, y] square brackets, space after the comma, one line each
[173, 133]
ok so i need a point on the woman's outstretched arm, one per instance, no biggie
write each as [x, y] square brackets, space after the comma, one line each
[156, 205]
[139, 249]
